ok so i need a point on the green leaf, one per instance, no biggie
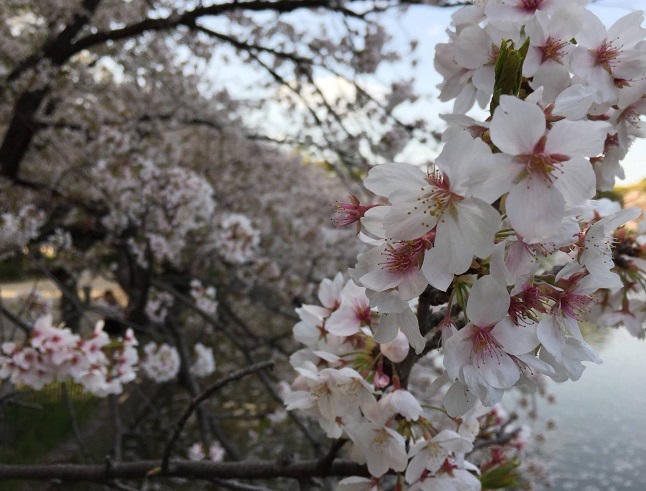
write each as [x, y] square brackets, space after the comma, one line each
[502, 476]
[508, 71]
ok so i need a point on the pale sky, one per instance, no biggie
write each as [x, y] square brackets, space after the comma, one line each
[430, 30]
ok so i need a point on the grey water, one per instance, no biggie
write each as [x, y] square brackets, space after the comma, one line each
[599, 443]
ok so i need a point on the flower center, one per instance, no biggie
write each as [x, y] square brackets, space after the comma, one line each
[484, 346]
[408, 254]
[529, 6]
[552, 50]
[574, 305]
[605, 56]
[437, 197]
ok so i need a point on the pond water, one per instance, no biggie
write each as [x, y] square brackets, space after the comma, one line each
[600, 440]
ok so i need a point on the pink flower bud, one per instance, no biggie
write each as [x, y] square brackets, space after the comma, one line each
[397, 349]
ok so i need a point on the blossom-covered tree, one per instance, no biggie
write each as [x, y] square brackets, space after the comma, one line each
[206, 204]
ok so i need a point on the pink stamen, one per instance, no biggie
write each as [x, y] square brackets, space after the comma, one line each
[605, 56]
[552, 50]
[349, 213]
[408, 254]
[529, 6]
[484, 346]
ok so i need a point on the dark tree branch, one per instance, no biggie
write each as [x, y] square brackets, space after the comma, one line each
[22, 127]
[249, 470]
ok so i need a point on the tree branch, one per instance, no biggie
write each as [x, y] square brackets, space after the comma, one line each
[250, 470]
[232, 377]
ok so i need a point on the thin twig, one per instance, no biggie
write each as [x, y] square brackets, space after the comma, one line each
[75, 424]
[232, 377]
[238, 486]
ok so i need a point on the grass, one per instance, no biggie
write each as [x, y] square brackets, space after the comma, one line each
[37, 423]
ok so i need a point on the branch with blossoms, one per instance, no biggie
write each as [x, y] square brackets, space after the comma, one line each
[496, 254]
[505, 223]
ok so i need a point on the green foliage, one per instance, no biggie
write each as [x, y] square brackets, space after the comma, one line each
[38, 422]
[501, 476]
[508, 71]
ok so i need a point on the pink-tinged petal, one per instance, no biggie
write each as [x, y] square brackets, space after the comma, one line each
[593, 32]
[536, 365]
[478, 222]
[472, 47]
[554, 77]
[373, 222]
[458, 158]
[574, 102]
[306, 333]
[515, 340]
[389, 302]
[395, 181]
[497, 369]
[488, 302]
[577, 138]
[458, 400]
[413, 285]
[493, 177]
[535, 208]
[464, 100]
[577, 181]
[520, 260]
[380, 279]
[406, 321]
[498, 268]
[453, 441]
[464, 231]
[330, 291]
[401, 402]
[517, 126]
[434, 270]
[627, 30]
[313, 314]
[410, 327]
[397, 350]
[549, 334]
[343, 322]
[407, 221]
[452, 248]
[387, 329]
[417, 465]
[458, 350]
[490, 396]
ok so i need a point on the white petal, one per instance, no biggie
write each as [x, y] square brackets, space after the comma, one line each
[515, 340]
[488, 302]
[535, 208]
[577, 181]
[395, 181]
[458, 400]
[517, 126]
[435, 271]
[577, 138]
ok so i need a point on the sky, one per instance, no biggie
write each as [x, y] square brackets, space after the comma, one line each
[428, 26]
[431, 29]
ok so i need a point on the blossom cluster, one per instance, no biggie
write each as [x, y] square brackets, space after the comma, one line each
[168, 205]
[215, 453]
[162, 362]
[236, 240]
[504, 221]
[101, 365]
[504, 233]
[204, 297]
[349, 382]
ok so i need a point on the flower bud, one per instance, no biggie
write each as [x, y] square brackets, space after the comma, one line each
[397, 349]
